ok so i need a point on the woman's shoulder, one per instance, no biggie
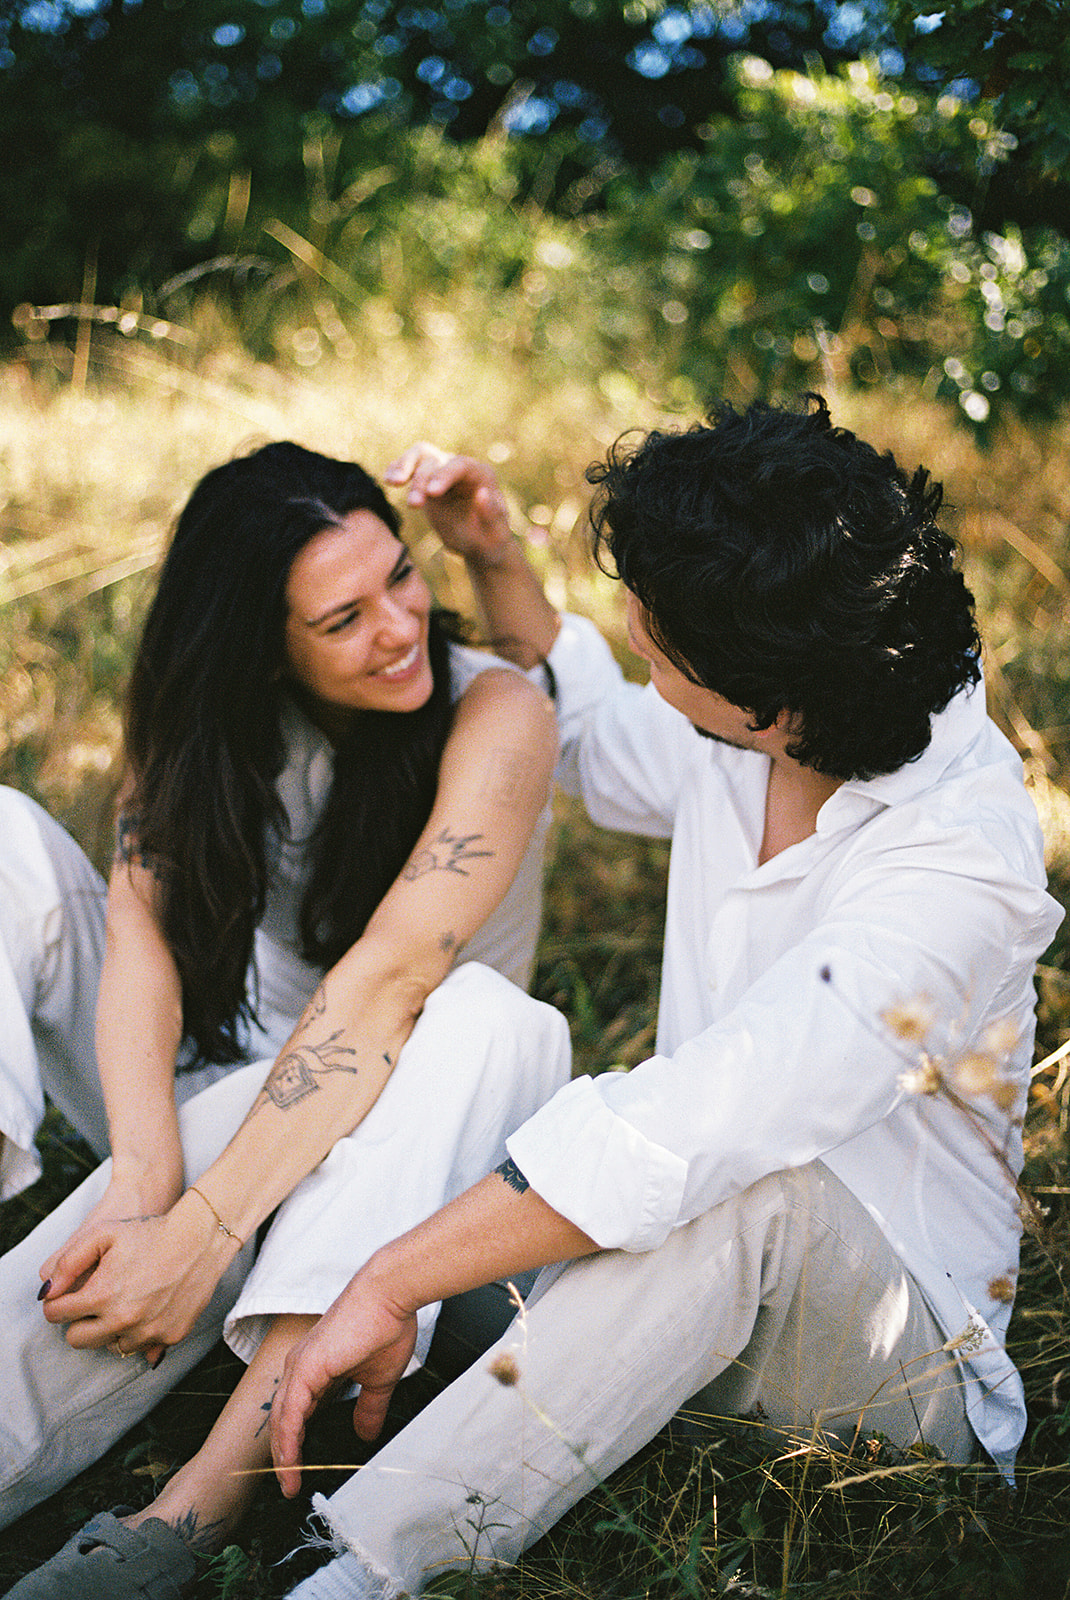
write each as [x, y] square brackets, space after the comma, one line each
[497, 699]
[467, 663]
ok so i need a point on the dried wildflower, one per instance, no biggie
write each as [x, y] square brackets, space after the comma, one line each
[1002, 1289]
[505, 1369]
[975, 1336]
[925, 1078]
[1005, 1094]
[976, 1073]
[1001, 1038]
[910, 1020]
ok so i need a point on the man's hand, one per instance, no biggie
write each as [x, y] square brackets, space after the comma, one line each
[461, 499]
[363, 1338]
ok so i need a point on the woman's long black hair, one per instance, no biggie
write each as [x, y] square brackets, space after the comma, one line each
[204, 745]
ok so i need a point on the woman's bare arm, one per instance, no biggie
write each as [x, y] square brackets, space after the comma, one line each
[150, 1281]
[139, 1030]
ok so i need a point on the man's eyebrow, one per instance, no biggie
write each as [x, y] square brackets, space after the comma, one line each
[349, 605]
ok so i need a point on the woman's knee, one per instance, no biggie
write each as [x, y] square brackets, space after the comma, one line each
[491, 1013]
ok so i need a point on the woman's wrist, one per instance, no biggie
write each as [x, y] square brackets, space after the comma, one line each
[224, 1229]
[156, 1178]
[196, 1216]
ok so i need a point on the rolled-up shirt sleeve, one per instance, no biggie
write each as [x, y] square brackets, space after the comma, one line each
[802, 1064]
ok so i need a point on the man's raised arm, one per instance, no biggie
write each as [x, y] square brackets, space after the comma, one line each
[464, 503]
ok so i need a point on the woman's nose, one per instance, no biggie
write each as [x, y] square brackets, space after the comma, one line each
[397, 623]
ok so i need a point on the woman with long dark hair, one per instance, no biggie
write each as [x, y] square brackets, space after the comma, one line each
[330, 828]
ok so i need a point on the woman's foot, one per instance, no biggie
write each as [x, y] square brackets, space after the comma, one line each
[109, 1560]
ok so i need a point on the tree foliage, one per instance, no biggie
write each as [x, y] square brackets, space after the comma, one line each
[748, 195]
[1017, 59]
[132, 124]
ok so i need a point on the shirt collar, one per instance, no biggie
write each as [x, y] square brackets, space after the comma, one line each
[953, 730]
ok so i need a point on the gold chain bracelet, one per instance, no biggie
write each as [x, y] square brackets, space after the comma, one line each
[193, 1189]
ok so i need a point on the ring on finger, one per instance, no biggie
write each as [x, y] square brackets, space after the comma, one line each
[117, 1349]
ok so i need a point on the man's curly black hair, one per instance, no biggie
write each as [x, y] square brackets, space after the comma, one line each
[785, 564]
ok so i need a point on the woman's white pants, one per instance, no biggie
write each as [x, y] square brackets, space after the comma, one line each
[480, 1060]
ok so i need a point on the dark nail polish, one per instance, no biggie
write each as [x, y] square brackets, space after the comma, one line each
[159, 1358]
[43, 1290]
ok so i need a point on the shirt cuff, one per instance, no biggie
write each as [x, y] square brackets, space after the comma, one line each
[599, 1171]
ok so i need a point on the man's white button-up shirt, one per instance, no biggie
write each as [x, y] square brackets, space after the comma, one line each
[926, 884]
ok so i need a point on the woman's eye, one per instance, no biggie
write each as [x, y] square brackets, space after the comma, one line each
[343, 622]
[401, 573]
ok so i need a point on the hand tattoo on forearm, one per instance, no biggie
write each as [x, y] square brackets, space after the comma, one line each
[449, 853]
[296, 1075]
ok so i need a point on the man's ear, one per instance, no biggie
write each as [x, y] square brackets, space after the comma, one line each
[786, 724]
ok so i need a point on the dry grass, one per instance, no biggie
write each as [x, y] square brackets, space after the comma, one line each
[94, 462]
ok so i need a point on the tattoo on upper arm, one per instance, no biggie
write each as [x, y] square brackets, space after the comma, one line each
[505, 778]
[512, 1175]
[128, 850]
[448, 853]
[447, 943]
[296, 1075]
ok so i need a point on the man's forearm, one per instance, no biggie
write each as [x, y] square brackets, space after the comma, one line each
[497, 1229]
[521, 623]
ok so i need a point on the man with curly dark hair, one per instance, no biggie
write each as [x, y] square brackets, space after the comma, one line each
[802, 1207]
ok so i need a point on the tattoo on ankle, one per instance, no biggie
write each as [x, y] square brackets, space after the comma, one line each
[512, 1175]
[203, 1538]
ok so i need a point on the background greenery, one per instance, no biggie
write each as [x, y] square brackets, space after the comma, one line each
[201, 252]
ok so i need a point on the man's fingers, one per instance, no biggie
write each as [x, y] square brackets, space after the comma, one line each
[369, 1412]
[415, 462]
[293, 1403]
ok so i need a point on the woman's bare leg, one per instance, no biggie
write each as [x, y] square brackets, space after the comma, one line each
[206, 1499]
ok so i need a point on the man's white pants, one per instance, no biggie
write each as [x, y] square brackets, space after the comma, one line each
[480, 1060]
[785, 1303]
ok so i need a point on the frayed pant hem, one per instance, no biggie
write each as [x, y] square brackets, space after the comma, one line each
[387, 1587]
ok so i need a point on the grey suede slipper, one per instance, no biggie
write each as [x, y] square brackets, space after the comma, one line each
[107, 1560]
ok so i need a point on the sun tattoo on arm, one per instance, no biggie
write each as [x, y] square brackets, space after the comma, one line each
[297, 1074]
[449, 853]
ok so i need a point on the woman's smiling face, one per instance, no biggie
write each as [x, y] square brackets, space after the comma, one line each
[357, 623]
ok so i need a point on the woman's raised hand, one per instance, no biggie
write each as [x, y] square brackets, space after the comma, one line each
[461, 498]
